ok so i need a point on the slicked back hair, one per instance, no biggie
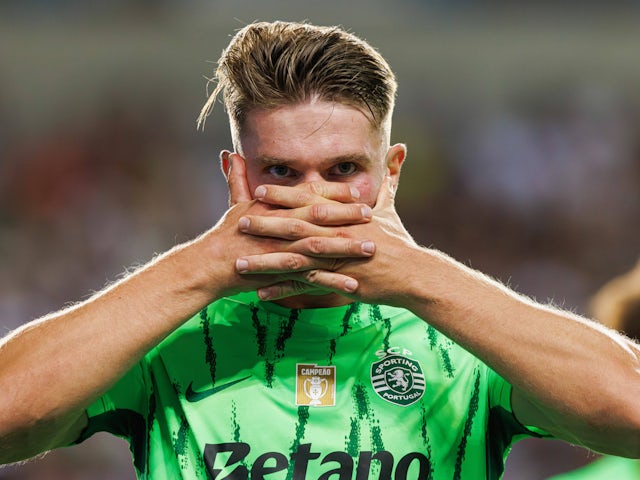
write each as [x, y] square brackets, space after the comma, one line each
[268, 65]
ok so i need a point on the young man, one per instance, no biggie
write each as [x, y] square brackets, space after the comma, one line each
[362, 355]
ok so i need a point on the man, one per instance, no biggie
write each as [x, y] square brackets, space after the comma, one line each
[362, 355]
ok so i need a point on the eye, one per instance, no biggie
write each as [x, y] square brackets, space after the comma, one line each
[280, 171]
[344, 169]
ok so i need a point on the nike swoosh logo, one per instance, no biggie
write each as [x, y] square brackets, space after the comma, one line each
[192, 396]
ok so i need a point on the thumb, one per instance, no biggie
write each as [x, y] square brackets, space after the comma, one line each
[386, 195]
[237, 180]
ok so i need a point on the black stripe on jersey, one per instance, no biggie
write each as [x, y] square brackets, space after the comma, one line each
[179, 443]
[376, 316]
[261, 331]
[210, 355]
[425, 438]
[472, 410]
[285, 332]
[443, 347]
[301, 426]
[362, 413]
[354, 308]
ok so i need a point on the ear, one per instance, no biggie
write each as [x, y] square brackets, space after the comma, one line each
[395, 158]
[225, 163]
[233, 167]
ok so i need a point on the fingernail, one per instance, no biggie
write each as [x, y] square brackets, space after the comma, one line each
[368, 247]
[350, 285]
[366, 211]
[243, 224]
[242, 265]
[264, 293]
[260, 191]
[355, 193]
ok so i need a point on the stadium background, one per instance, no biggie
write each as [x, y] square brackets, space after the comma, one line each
[521, 121]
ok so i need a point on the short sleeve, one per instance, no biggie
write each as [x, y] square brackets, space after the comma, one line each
[500, 400]
[122, 410]
[504, 429]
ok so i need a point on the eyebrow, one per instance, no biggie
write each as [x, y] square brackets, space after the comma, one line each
[267, 160]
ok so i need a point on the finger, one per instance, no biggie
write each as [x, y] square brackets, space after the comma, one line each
[306, 194]
[237, 179]
[339, 192]
[280, 227]
[286, 289]
[276, 262]
[306, 221]
[315, 281]
[307, 254]
[386, 195]
[333, 247]
[330, 214]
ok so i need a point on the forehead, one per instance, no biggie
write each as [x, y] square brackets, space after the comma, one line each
[308, 130]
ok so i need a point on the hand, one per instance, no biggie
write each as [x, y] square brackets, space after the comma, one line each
[293, 220]
[380, 278]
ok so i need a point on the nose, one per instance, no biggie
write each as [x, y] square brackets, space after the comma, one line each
[312, 177]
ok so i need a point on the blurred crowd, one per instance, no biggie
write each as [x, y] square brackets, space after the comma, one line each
[542, 192]
[83, 202]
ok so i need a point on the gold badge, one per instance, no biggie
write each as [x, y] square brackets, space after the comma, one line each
[315, 385]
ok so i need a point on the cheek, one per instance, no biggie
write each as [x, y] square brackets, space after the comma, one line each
[368, 188]
[253, 181]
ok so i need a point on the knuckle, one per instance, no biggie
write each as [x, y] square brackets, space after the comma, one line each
[341, 233]
[303, 197]
[319, 212]
[356, 212]
[316, 245]
[293, 262]
[295, 229]
[352, 246]
[317, 188]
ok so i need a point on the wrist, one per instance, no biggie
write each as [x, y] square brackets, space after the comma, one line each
[433, 282]
[201, 267]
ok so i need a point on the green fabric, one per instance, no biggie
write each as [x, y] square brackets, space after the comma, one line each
[244, 390]
[617, 468]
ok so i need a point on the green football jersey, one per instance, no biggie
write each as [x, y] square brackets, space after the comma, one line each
[252, 390]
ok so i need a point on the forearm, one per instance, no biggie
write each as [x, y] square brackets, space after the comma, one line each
[53, 368]
[576, 378]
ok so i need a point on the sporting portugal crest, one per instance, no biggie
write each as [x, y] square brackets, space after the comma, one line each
[398, 379]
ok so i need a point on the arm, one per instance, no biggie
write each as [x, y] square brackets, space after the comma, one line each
[53, 368]
[571, 376]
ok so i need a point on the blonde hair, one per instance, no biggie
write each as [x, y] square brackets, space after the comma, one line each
[268, 65]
